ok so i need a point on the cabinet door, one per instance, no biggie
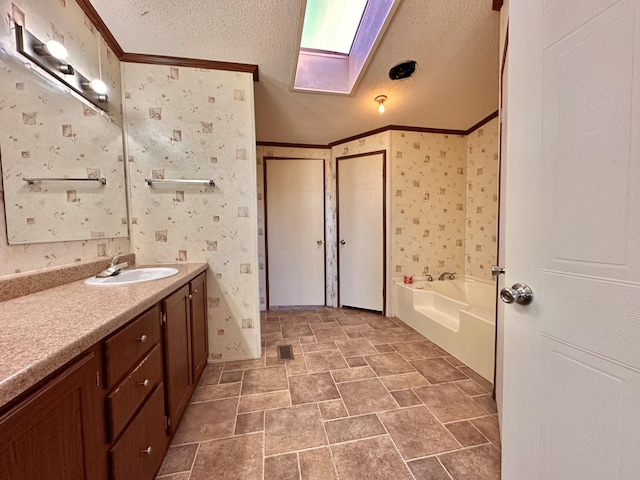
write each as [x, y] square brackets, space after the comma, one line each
[199, 336]
[58, 431]
[177, 350]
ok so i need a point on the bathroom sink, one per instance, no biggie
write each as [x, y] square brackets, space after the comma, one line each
[133, 276]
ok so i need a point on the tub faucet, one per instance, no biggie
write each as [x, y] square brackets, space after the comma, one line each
[447, 275]
[429, 278]
[114, 269]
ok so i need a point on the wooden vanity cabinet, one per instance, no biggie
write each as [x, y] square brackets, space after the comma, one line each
[58, 431]
[185, 345]
[135, 398]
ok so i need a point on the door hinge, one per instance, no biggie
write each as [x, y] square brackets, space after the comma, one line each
[163, 318]
[167, 422]
[97, 379]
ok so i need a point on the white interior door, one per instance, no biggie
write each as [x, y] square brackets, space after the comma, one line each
[361, 231]
[572, 358]
[294, 196]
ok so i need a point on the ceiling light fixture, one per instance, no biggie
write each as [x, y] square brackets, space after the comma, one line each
[381, 99]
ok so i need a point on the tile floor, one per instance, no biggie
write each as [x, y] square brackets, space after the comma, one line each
[366, 397]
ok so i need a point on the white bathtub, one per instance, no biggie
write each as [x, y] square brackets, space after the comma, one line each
[458, 315]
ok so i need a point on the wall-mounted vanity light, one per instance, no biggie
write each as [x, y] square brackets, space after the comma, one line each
[381, 99]
[51, 57]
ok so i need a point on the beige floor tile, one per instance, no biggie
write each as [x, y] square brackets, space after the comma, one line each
[234, 458]
[178, 459]
[326, 323]
[475, 463]
[317, 464]
[448, 403]
[406, 398]
[244, 364]
[293, 428]
[332, 409]
[351, 374]
[428, 469]
[263, 380]
[389, 364]
[211, 374]
[489, 428]
[366, 396]
[380, 336]
[417, 433]
[207, 420]
[356, 361]
[476, 377]
[466, 433]
[270, 327]
[330, 334]
[405, 351]
[295, 331]
[297, 366]
[282, 467]
[372, 458]
[354, 428]
[384, 348]
[175, 476]
[249, 423]
[348, 321]
[470, 387]
[325, 361]
[354, 335]
[232, 377]
[316, 347]
[356, 347]
[316, 387]
[486, 402]
[264, 401]
[216, 392]
[427, 348]
[408, 380]
[454, 361]
[380, 322]
[437, 370]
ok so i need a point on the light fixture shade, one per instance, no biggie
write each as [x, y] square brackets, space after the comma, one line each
[381, 107]
[56, 49]
[98, 86]
[381, 99]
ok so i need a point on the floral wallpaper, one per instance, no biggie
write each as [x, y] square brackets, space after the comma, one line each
[482, 200]
[64, 21]
[427, 204]
[330, 213]
[186, 123]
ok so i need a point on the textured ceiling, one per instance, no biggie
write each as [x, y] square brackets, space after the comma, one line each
[455, 43]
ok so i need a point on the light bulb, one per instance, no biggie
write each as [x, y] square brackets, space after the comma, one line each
[98, 86]
[381, 107]
[56, 49]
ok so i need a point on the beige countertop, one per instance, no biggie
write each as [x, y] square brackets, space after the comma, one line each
[41, 332]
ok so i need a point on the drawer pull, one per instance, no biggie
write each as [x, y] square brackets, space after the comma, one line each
[145, 383]
[143, 339]
[147, 451]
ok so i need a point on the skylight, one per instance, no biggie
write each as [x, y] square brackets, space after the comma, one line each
[331, 25]
[337, 41]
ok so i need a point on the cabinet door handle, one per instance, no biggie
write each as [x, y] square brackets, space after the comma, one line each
[147, 451]
[190, 297]
[145, 383]
[142, 339]
[195, 292]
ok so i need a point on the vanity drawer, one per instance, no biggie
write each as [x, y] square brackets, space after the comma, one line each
[127, 397]
[127, 347]
[139, 452]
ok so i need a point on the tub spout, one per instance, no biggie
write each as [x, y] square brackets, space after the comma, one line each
[447, 275]
[429, 278]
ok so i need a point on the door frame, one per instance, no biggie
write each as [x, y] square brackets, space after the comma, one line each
[384, 222]
[266, 223]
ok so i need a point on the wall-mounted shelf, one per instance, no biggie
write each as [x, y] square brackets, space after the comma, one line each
[31, 180]
[151, 181]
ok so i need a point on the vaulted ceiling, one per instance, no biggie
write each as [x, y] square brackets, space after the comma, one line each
[455, 43]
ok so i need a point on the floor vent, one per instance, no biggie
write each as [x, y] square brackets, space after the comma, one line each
[285, 352]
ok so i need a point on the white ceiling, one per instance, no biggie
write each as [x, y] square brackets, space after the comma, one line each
[455, 43]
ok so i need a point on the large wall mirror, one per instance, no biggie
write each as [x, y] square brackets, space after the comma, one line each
[48, 134]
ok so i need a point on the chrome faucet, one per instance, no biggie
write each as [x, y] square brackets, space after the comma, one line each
[115, 267]
[447, 275]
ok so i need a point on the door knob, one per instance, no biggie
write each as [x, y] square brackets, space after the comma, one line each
[342, 242]
[519, 293]
[319, 242]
